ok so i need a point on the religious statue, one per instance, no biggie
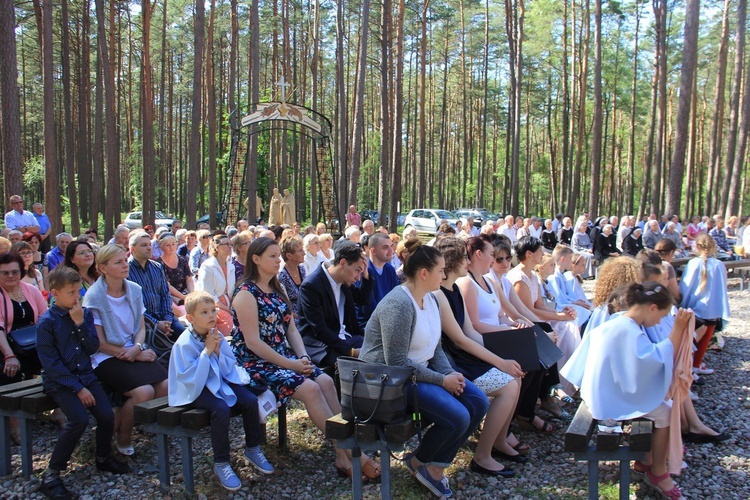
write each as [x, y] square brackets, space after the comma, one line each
[275, 216]
[288, 208]
[257, 206]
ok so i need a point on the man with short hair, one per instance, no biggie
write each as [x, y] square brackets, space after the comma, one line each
[150, 276]
[470, 227]
[507, 229]
[557, 222]
[382, 274]
[56, 256]
[716, 231]
[327, 298]
[45, 227]
[20, 219]
[15, 236]
[352, 217]
[535, 228]
[176, 226]
[242, 225]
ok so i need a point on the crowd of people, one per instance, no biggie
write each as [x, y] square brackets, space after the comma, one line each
[253, 309]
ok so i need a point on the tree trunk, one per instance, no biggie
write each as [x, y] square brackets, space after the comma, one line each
[736, 184]
[194, 156]
[514, 11]
[596, 143]
[384, 173]
[51, 178]
[359, 105]
[252, 162]
[633, 96]
[11, 109]
[211, 115]
[70, 163]
[147, 120]
[85, 177]
[398, 112]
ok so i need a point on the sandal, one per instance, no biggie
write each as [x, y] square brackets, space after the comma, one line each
[565, 398]
[555, 410]
[528, 425]
[673, 494]
[344, 473]
[639, 470]
[371, 469]
[523, 449]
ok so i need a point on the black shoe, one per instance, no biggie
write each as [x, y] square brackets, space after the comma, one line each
[693, 437]
[475, 467]
[699, 381]
[53, 487]
[111, 464]
[519, 459]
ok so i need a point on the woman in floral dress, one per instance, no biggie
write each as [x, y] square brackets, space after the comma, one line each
[263, 317]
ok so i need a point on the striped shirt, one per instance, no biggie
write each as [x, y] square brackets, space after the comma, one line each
[156, 296]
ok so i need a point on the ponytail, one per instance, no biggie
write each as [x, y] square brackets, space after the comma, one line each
[706, 246]
[649, 293]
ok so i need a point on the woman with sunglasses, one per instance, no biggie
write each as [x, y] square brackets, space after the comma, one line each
[199, 254]
[216, 276]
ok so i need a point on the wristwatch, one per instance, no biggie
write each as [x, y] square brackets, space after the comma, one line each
[143, 346]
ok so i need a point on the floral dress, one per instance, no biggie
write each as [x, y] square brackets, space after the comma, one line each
[177, 276]
[273, 320]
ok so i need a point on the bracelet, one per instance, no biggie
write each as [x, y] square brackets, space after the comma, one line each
[9, 356]
[306, 356]
[351, 353]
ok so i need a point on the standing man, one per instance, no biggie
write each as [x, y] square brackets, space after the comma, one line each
[150, 276]
[20, 219]
[352, 217]
[45, 228]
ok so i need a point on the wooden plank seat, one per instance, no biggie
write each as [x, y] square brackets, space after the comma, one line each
[367, 437]
[586, 443]
[186, 423]
[25, 401]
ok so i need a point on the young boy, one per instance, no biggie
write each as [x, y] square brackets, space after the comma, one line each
[202, 372]
[65, 340]
[561, 289]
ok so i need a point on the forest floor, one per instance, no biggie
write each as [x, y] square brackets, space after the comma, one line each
[305, 469]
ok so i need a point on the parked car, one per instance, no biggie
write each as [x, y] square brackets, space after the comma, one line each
[428, 220]
[133, 220]
[218, 221]
[370, 215]
[465, 213]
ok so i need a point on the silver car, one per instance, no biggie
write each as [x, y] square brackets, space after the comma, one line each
[428, 220]
[133, 220]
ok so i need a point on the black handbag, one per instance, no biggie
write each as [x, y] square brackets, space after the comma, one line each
[374, 393]
[158, 342]
[21, 340]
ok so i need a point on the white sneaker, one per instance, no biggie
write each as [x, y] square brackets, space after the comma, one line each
[694, 396]
[703, 370]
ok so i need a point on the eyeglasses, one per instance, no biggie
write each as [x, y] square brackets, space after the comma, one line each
[206, 237]
[500, 260]
[26, 253]
[14, 272]
[84, 253]
[16, 202]
[225, 244]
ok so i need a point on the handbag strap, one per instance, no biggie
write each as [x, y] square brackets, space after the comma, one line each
[383, 381]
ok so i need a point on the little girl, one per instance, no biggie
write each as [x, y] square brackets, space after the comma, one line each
[626, 375]
[704, 290]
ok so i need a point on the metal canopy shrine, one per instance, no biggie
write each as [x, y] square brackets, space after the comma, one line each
[308, 123]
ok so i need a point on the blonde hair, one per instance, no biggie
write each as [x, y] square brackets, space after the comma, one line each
[213, 246]
[561, 251]
[200, 233]
[325, 237]
[613, 273]
[5, 245]
[706, 246]
[545, 260]
[107, 253]
[194, 299]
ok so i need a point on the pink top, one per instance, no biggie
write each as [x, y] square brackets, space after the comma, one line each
[693, 231]
[354, 219]
[33, 296]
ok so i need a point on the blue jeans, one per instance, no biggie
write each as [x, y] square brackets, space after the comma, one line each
[453, 420]
[247, 404]
[177, 328]
[78, 420]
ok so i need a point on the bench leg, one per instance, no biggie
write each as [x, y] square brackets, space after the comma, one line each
[5, 452]
[593, 480]
[356, 474]
[385, 477]
[282, 426]
[162, 446]
[186, 445]
[27, 457]
[624, 479]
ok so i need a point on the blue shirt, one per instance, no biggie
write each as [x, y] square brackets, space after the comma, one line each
[156, 296]
[383, 281]
[64, 350]
[43, 221]
[53, 258]
[15, 219]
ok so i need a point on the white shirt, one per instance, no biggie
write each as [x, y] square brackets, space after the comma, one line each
[535, 232]
[336, 288]
[15, 219]
[427, 329]
[124, 321]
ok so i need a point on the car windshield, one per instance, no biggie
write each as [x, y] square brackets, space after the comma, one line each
[444, 214]
[160, 215]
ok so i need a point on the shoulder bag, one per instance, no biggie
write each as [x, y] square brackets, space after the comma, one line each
[21, 340]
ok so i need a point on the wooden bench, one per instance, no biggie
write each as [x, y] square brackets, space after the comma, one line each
[739, 268]
[25, 401]
[368, 438]
[186, 423]
[607, 446]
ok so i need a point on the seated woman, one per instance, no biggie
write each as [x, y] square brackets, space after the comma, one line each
[626, 375]
[651, 234]
[216, 276]
[496, 377]
[565, 333]
[293, 272]
[31, 274]
[240, 243]
[123, 361]
[267, 344]
[35, 240]
[606, 244]
[313, 257]
[581, 243]
[80, 256]
[565, 233]
[670, 233]
[405, 330]
[633, 242]
[177, 271]
[199, 254]
[549, 238]
[326, 246]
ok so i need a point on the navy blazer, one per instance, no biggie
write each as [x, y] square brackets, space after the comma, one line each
[319, 316]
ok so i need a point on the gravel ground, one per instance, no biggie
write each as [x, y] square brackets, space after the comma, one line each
[305, 469]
